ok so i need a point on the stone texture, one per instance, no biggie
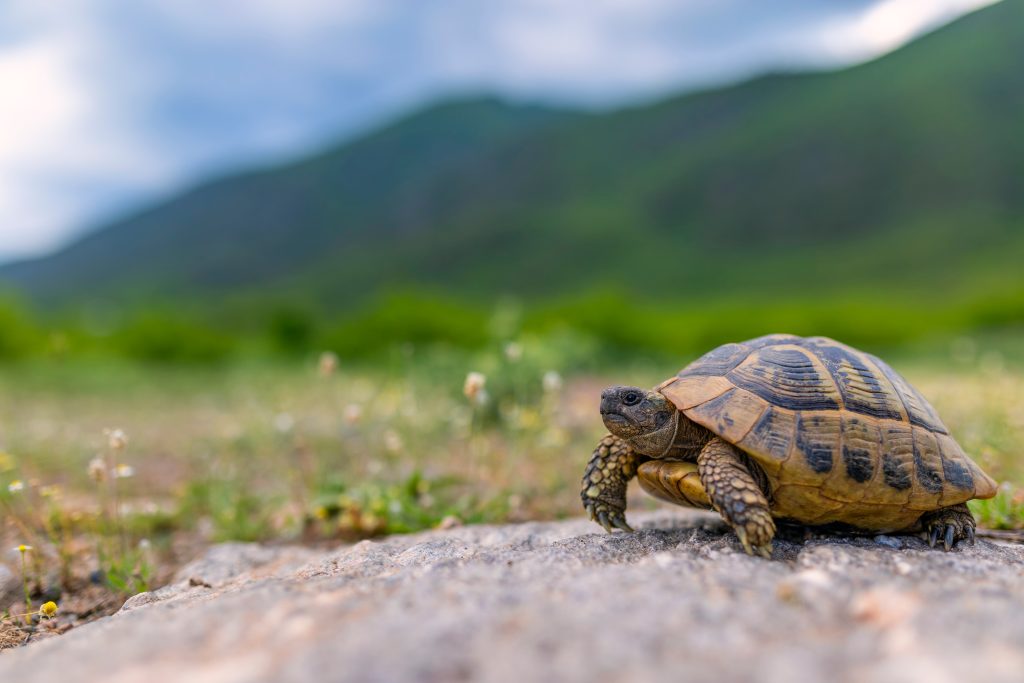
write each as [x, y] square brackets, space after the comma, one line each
[10, 588]
[563, 601]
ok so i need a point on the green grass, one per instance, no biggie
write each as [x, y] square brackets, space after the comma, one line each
[1005, 511]
[260, 450]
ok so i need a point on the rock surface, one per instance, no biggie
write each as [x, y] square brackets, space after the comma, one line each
[10, 588]
[563, 601]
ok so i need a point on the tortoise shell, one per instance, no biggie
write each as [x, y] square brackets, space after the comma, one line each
[841, 436]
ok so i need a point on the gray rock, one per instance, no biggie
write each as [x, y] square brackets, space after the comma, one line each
[564, 601]
[225, 567]
[889, 541]
[10, 587]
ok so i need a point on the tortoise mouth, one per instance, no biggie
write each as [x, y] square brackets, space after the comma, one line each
[615, 418]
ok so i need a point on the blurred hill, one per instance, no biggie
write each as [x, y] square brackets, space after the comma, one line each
[900, 178]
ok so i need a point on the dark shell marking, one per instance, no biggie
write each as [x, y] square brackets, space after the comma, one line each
[815, 439]
[888, 432]
[786, 378]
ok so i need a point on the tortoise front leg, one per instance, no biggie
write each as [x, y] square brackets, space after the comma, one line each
[605, 480]
[734, 493]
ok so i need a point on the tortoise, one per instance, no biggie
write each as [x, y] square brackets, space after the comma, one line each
[806, 430]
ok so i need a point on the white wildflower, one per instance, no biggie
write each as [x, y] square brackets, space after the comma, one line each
[328, 363]
[283, 423]
[97, 469]
[353, 413]
[123, 471]
[513, 351]
[474, 385]
[116, 439]
[392, 441]
[552, 382]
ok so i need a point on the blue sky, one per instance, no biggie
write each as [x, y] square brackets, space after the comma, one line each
[108, 104]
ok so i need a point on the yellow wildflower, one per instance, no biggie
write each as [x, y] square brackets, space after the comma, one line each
[52, 491]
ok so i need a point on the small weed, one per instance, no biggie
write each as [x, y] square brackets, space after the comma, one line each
[1004, 511]
[233, 512]
[415, 504]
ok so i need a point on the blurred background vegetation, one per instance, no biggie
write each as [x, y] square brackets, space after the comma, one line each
[287, 347]
[879, 204]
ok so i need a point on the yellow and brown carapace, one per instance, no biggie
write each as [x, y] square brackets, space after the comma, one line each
[783, 427]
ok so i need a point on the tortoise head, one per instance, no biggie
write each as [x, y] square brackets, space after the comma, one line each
[645, 419]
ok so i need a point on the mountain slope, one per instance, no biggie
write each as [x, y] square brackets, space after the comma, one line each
[257, 227]
[904, 176]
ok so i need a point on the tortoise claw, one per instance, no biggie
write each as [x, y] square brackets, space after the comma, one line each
[752, 548]
[609, 517]
[620, 522]
[744, 541]
[949, 525]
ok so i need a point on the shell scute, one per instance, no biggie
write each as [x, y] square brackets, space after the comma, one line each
[730, 415]
[787, 377]
[864, 388]
[928, 483]
[862, 441]
[772, 435]
[918, 410]
[897, 464]
[717, 362]
[817, 440]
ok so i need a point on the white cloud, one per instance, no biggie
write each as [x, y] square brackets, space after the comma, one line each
[61, 142]
[104, 102]
[886, 25]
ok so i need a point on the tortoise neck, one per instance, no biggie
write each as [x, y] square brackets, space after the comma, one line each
[690, 435]
[657, 443]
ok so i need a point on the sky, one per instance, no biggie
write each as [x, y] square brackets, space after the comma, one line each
[106, 105]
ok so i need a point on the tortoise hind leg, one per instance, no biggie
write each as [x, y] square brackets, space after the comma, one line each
[736, 496]
[951, 524]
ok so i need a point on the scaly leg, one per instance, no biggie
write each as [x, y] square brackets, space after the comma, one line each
[605, 480]
[734, 493]
[951, 524]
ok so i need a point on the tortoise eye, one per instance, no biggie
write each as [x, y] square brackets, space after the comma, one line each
[631, 398]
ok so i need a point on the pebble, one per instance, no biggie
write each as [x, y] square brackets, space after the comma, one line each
[889, 541]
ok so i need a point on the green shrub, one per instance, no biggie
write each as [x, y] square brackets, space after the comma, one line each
[19, 336]
[291, 330]
[409, 319]
[169, 339]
